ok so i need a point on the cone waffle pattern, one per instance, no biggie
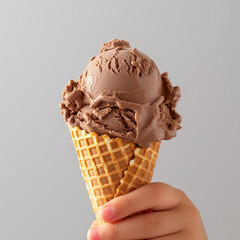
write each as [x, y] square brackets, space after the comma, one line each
[140, 169]
[102, 161]
[112, 167]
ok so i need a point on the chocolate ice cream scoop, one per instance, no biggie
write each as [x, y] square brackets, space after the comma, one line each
[122, 93]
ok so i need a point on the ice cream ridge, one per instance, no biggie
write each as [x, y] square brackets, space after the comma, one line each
[118, 112]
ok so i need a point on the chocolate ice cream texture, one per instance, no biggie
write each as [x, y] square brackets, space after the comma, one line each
[122, 93]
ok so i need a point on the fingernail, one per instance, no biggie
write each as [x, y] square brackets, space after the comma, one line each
[107, 213]
[93, 234]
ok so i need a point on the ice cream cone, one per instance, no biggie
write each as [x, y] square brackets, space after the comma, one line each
[140, 169]
[102, 160]
[110, 166]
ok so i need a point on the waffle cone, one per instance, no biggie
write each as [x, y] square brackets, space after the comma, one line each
[112, 167]
[140, 169]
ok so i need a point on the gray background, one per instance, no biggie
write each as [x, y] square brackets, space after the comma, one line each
[43, 44]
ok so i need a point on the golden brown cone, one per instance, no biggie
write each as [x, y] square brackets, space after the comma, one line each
[110, 166]
[140, 169]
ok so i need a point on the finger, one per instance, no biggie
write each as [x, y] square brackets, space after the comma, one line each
[175, 236]
[94, 225]
[155, 196]
[144, 226]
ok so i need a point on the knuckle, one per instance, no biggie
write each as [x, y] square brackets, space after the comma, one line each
[159, 191]
[182, 194]
[112, 230]
[195, 213]
[193, 217]
[184, 198]
[149, 223]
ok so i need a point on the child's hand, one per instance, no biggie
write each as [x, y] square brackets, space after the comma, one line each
[173, 216]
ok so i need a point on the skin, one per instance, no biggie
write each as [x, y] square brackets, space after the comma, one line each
[172, 216]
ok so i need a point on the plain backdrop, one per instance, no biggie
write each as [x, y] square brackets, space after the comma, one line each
[44, 44]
